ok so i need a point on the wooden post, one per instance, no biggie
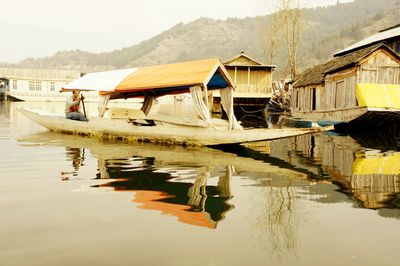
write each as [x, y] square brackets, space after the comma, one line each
[205, 96]
[7, 88]
[235, 74]
[248, 78]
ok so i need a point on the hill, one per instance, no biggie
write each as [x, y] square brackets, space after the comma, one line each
[324, 31]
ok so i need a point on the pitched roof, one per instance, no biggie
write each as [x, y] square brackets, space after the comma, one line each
[251, 62]
[316, 75]
[383, 35]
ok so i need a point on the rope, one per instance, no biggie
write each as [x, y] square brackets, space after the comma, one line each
[251, 112]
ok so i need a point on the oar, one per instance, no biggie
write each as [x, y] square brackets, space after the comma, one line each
[83, 105]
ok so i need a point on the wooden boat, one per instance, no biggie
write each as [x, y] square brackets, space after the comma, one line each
[199, 78]
[164, 131]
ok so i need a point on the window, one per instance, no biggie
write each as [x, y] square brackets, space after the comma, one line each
[38, 85]
[52, 86]
[314, 99]
[35, 85]
[31, 85]
[15, 85]
[340, 96]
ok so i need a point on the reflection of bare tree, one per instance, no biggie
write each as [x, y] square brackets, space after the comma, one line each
[280, 218]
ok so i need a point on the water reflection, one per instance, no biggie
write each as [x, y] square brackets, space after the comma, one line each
[192, 184]
[269, 200]
[195, 184]
[186, 182]
[192, 201]
[370, 177]
[281, 217]
[76, 155]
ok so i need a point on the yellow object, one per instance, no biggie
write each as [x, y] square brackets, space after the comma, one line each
[378, 95]
[377, 164]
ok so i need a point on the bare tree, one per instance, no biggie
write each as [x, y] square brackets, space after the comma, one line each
[291, 16]
[272, 36]
[285, 22]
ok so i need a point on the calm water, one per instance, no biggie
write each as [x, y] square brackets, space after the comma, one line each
[319, 199]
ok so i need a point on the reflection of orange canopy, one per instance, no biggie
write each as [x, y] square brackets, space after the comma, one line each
[151, 201]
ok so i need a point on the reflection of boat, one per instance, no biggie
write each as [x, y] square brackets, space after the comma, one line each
[193, 202]
[150, 172]
[163, 155]
[372, 177]
[199, 78]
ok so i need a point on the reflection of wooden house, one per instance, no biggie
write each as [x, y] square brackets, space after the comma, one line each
[253, 80]
[351, 86]
[371, 177]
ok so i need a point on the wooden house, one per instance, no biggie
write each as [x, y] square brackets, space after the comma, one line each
[253, 81]
[358, 84]
[389, 36]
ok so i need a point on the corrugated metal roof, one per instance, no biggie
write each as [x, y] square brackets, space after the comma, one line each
[379, 37]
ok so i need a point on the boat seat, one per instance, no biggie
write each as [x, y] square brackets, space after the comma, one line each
[126, 113]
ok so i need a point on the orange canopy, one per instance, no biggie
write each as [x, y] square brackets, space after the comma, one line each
[179, 75]
[155, 80]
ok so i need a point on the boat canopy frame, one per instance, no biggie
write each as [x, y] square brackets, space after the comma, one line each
[197, 77]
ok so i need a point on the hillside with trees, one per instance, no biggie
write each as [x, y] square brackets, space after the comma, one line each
[324, 30]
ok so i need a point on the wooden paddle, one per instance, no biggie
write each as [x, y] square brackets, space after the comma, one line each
[83, 105]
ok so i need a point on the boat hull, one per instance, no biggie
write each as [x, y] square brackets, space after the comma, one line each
[164, 133]
[354, 117]
[333, 116]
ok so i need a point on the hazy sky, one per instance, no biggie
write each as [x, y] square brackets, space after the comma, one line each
[37, 28]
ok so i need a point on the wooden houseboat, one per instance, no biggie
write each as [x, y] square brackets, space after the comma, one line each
[253, 81]
[360, 85]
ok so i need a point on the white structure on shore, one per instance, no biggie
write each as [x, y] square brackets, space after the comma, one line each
[43, 85]
[35, 84]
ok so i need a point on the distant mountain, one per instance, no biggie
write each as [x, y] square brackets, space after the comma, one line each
[324, 31]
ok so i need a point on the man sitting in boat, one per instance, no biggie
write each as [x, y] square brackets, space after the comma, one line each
[72, 107]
